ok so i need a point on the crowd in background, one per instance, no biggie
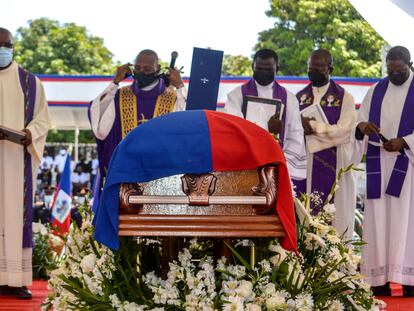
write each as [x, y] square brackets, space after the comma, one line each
[82, 175]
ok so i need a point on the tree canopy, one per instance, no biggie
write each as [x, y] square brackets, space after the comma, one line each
[302, 26]
[48, 47]
[236, 65]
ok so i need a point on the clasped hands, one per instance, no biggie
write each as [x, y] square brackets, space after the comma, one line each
[392, 145]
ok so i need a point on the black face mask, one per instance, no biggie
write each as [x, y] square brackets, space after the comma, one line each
[398, 78]
[317, 79]
[144, 80]
[263, 78]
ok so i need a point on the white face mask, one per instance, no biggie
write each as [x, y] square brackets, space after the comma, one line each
[6, 56]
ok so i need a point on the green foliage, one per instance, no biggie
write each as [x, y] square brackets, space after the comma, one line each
[237, 65]
[63, 136]
[48, 47]
[45, 257]
[304, 25]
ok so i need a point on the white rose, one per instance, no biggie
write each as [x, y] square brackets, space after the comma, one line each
[329, 208]
[253, 307]
[275, 302]
[88, 263]
[245, 289]
[269, 289]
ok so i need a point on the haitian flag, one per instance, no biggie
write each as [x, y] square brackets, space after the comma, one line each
[62, 202]
[196, 141]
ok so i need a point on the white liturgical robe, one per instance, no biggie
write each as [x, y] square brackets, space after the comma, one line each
[336, 135]
[15, 261]
[293, 145]
[389, 221]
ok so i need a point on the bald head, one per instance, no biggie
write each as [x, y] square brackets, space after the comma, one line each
[320, 67]
[323, 55]
[147, 62]
[398, 65]
[6, 48]
[6, 38]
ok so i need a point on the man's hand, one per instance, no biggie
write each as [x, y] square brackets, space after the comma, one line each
[27, 140]
[307, 128]
[274, 125]
[175, 78]
[368, 128]
[395, 144]
[122, 72]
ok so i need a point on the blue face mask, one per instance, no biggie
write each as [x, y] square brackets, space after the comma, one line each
[6, 56]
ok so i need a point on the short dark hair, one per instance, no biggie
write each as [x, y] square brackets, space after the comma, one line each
[147, 52]
[4, 30]
[325, 54]
[265, 54]
[399, 53]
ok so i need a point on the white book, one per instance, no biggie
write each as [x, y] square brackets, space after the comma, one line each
[315, 111]
[258, 110]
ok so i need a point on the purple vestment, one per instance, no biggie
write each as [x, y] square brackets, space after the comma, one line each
[324, 161]
[28, 84]
[406, 127]
[279, 92]
[146, 101]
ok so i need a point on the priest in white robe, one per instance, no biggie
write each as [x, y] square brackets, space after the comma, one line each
[289, 128]
[385, 132]
[118, 110]
[23, 106]
[328, 130]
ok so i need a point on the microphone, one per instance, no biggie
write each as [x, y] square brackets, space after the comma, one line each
[174, 56]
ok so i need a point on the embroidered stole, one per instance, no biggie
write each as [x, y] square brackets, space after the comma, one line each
[324, 161]
[128, 106]
[28, 85]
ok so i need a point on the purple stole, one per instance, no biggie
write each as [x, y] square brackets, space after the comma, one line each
[324, 161]
[279, 92]
[406, 127]
[28, 84]
[146, 102]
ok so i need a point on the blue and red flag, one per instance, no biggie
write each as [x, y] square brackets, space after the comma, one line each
[95, 191]
[62, 201]
[197, 141]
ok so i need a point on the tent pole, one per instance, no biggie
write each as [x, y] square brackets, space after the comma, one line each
[77, 145]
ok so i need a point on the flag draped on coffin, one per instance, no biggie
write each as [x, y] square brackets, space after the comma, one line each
[62, 202]
[197, 141]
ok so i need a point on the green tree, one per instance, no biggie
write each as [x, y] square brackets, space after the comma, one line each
[68, 136]
[48, 47]
[237, 65]
[304, 25]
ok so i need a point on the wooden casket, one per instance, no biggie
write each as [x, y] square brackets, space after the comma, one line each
[219, 204]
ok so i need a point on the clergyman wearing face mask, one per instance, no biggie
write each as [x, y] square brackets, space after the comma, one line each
[121, 108]
[23, 107]
[286, 126]
[328, 119]
[6, 55]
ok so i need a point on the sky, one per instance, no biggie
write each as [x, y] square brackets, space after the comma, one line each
[129, 26]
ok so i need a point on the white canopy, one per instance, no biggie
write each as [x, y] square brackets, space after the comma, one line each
[69, 96]
[393, 20]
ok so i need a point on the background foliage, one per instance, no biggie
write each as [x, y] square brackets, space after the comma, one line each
[301, 26]
[46, 46]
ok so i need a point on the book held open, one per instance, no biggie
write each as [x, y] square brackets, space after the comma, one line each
[12, 135]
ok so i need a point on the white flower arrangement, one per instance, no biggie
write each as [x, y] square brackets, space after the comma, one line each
[322, 276]
[45, 255]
